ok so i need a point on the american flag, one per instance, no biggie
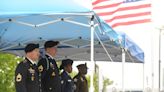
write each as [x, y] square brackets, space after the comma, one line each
[123, 12]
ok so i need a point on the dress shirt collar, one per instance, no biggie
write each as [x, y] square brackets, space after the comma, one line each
[33, 62]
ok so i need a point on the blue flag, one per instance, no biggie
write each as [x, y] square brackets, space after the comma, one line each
[121, 39]
[133, 48]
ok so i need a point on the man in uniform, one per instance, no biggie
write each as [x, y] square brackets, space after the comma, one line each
[80, 79]
[67, 81]
[51, 81]
[26, 73]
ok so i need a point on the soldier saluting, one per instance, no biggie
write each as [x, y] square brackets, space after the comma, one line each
[51, 81]
[26, 73]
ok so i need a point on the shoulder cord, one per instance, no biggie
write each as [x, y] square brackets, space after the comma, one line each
[47, 63]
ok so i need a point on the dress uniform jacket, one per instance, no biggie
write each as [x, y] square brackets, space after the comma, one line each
[81, 83]
[67, 83]
[26, 77]
[51, 81]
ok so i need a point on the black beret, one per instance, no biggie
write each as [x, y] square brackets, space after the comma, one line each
[30, 47]
[81, 66]
[49, 44]
[65, 62]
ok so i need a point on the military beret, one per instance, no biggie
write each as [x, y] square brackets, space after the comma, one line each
[49, 44]
[30, 47]
[65, 62]
[80, 66]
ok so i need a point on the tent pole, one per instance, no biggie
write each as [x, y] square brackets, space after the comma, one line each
[160, 59]
[123, 69]
[92, 55]
[143, 81]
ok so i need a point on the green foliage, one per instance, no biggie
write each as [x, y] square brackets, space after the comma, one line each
[73, 74]
[8, 64]
[106, 82]
[96, 82]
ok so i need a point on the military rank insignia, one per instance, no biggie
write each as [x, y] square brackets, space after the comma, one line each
[32, 77]
[62, 81]
[75, 80]
[69, 80]
[53, 74]
[31, 70]
[40, 68]
[51, 65]
[18, 77]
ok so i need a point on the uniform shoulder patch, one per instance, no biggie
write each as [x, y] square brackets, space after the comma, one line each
[18, 77]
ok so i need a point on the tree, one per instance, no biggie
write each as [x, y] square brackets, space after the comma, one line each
[8, 64]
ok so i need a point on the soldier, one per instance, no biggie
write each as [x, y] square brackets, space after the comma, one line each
[67, 81]
[80, 79]
[26, 73]
[51, 81]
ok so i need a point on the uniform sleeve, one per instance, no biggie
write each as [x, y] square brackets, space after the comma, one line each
[77, 84]
[20, 78]
[42, 67]
[64, 83]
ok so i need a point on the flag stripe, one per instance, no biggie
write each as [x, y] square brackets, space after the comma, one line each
[96, 2]
[117, 12]
[128, 16]
[128, 19]
[124, 9]
[107, 6]
[121, 12]
[131, 22]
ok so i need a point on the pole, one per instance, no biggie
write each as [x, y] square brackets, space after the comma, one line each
[92, 54]
[143, 77]
[152, 66]
[123, 69]
[160, 59]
